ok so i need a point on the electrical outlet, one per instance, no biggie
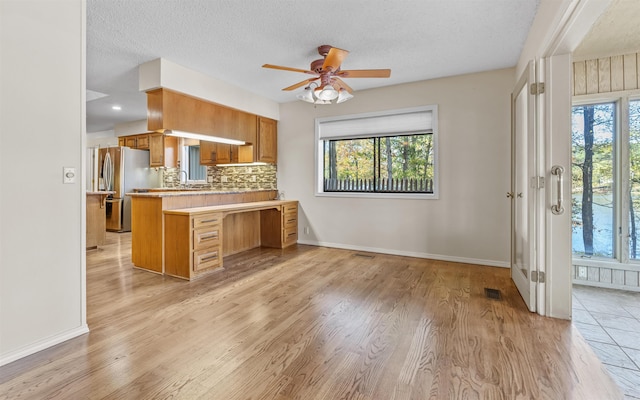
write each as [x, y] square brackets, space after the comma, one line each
[253, 178]
[223, 179]
[582, 272]
[306, 230]
[249, 170]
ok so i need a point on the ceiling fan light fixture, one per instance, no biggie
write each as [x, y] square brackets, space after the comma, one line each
[343, 96]
[307, 95]
[328, 92]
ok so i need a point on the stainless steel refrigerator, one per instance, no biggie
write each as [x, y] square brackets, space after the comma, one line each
[122, 170]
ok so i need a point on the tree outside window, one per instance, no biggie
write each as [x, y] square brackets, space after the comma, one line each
[391, 164]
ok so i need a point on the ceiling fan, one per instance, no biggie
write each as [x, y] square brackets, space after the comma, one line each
[327, 70]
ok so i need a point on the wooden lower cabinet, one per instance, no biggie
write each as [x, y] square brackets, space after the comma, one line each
[290, 223]
[197, 239]
[147, 219]
[193, 244]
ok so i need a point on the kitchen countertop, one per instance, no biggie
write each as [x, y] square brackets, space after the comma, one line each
[191, 192]
[255, 205]
[100, 193]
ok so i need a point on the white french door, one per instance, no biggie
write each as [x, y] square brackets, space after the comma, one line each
[523, 194]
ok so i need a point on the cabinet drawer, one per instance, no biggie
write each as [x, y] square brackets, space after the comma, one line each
[201, 221]
[290, 234]
[290, 221]
[290, 208]
[205, 259]
[206, 237]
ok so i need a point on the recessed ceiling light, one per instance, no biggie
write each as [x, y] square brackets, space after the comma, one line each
[117, 108]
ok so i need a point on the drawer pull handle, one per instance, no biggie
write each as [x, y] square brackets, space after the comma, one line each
[209, 236]
[291, 220]
[214, 256]
[210, 220]
[292, 234]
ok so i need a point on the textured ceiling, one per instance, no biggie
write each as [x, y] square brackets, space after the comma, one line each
[616, 32]
[231, 39]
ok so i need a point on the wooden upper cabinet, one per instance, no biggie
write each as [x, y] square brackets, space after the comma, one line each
[267, 140]
[167, 109]
[163, 150]
[135, 141]
[208, 153]
[220, 153]
[130, 141]
[142, 142]
[245, 126]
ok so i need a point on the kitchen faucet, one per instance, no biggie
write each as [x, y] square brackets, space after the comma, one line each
[186, 178]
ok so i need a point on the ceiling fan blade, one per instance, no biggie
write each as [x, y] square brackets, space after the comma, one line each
[343, 85]
[334, 59]
[365, 73]
[297, 85]
[304, 71]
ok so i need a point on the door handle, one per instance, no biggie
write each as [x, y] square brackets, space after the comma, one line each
[557, 208]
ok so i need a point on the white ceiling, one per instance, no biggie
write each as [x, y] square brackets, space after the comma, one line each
[231, 39]
[616, 32]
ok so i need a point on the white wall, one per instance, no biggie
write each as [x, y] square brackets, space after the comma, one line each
[102, 139]
[468, 223]
[42, 256]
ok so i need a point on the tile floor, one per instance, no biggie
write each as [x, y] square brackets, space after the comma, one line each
[610, 321]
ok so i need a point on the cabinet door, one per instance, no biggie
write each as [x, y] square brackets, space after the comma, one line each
[223, 153]
[267, 140]
[207, 153]
[156, 150]
[130, 141]
[247, 127]
[142, 142]
[121, 141]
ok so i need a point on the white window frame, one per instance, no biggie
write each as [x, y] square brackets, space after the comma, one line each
[184, 164]
[621, 259]
[319, 151]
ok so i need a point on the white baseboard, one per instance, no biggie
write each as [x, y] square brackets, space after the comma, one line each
[41, 345]
[439, 257]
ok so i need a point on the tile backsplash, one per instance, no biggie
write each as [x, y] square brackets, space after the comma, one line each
[258, 177]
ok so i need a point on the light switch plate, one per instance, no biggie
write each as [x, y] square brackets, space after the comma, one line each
[68, 175]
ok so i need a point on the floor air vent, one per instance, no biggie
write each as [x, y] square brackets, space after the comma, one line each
[363, 255]
[492, 293]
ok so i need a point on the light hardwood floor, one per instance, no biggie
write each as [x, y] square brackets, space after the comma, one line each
[309, 323]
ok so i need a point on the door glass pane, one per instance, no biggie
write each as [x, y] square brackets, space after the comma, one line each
[592, 178]
[634, 178]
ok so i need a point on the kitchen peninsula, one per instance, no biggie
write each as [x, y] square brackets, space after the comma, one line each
[197, 239]
[147, 222]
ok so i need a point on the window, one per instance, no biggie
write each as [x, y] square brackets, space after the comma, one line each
[378, 155]
[593, 179]
[191, 164]
[606, 180]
